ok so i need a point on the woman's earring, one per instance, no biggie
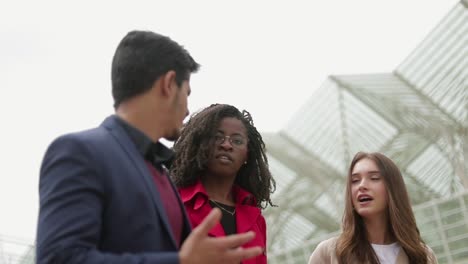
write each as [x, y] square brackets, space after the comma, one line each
[245, 162]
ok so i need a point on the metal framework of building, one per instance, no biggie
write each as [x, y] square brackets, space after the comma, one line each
[417, 115]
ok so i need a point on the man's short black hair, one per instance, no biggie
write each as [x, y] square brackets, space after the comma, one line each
[144, 56]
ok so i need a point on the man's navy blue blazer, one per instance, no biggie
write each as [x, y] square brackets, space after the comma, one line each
[99, 203]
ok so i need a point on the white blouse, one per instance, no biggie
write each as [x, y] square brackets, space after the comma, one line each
[387, 253]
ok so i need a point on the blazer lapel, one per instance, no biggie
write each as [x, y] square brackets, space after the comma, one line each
[187, 225]
[217, 230]
[246, 217]
[246, 211]
[125, 142]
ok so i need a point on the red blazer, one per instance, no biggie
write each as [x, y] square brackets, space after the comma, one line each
[248, 216]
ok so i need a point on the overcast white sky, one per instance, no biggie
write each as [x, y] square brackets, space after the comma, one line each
[263, 56]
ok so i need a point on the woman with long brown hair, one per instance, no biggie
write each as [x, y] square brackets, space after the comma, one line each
[378, 225]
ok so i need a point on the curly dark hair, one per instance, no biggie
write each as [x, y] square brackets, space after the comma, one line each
[194, 147]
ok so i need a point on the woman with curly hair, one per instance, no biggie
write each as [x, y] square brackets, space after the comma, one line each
[378, 223]
[221, 163]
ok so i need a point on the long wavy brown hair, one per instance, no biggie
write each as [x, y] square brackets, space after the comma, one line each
[194, 147]
[353, 245]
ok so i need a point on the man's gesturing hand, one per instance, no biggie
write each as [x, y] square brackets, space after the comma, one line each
[199, 248]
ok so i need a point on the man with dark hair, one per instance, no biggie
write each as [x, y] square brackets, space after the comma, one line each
[105, 195]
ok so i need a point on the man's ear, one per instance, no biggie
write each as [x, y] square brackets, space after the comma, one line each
[168, 83]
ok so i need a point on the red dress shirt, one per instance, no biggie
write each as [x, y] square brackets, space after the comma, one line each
[248, 216]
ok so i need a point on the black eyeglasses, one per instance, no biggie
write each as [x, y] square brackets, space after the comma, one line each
[235, 140]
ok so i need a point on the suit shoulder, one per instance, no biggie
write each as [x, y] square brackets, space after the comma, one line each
[85, 141]
[87, 134]
[82, 136]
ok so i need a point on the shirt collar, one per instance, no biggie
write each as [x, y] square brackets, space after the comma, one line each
[198, 193]
[155, 152]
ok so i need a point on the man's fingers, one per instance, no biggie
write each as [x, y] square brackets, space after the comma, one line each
[240, 253]
[208, 223]
[234, 241]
